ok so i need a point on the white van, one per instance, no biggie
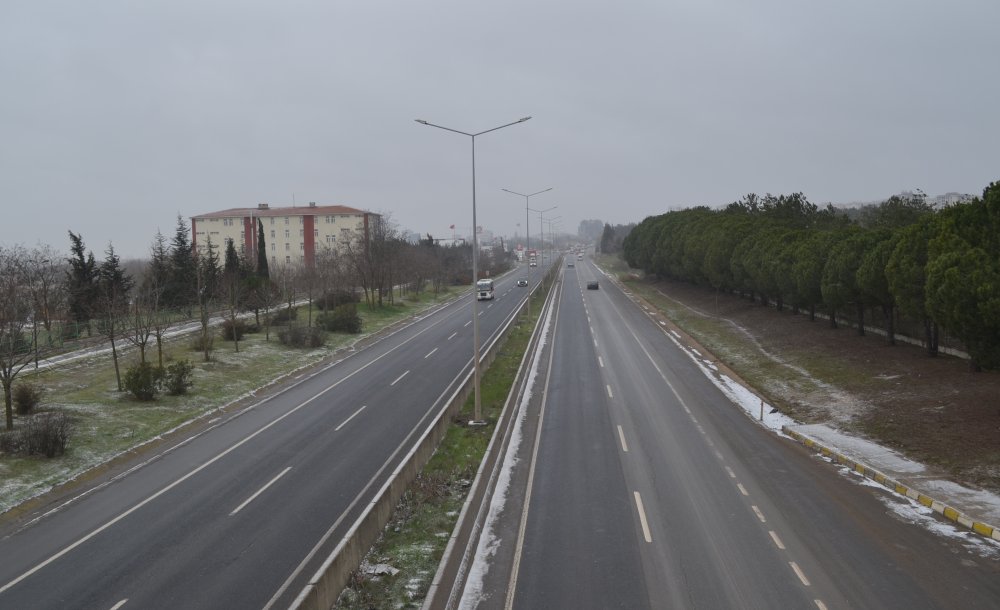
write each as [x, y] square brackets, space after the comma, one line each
[484, 290]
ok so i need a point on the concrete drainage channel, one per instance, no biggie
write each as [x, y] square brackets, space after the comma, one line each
[326, 585]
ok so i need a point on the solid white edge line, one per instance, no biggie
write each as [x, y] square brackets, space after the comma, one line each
[642, 517]
[430, 353]
[799, 573]
[344, 423]
[399, 378]
[621, 435]
[260, 491]
[777, 541]
[119, 604]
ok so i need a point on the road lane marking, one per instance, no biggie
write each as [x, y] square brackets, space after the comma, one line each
[642, 517]
[344, 423]
[600, 361]
[621, 435]
[743, 490]
[610, 395]
[799, 573]
[595, 343]
[777, 541]
[732, 474]
[451, 336]
[430, 353]
[819, 604]
[467, 323]
[260, 491]
[398, 378]
[759, 514]
[119, 604]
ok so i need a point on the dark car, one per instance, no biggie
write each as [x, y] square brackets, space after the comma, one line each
[593, 285]
[522, 282]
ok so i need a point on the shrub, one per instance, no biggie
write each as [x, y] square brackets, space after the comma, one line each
[177, 379]
[143, 380]
[284, 315]
[343, 319]
[302, 336]
[332, 300]
[44, 434]
[26, 397]
[231, 329]
[69, 331]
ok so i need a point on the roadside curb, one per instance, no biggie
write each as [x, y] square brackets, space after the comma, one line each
[948, 512]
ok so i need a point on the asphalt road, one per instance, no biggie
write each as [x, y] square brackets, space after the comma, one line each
[242, 514]
[650, 489]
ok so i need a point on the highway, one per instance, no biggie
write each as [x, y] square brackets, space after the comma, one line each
[643, 486]
[243, 512]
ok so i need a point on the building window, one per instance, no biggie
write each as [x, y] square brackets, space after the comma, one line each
[286, 220]
[272, 233]
[272, 221]
[302, 247]
[286, 233]
[274, 259]
[302, 259]
[330, 239]
[302, 219]
[288, 246]
[272, 246]
[315, 232]
[288, 259]
[302, 232]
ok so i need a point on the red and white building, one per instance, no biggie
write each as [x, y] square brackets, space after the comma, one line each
[292, 235]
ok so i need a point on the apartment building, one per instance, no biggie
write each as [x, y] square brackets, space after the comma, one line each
[292, 235]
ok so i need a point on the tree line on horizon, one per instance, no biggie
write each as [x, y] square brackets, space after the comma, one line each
[937, 268]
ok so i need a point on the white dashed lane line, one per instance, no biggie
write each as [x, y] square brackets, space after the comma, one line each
[430, 353]
[344, 423]
[399, 378]
[260, 491]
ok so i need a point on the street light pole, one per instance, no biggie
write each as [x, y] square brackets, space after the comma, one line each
[478, 416]
[527, 232]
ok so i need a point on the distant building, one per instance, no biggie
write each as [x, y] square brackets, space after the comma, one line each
[292, 235]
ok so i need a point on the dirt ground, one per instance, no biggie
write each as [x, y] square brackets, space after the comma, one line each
[934, 410]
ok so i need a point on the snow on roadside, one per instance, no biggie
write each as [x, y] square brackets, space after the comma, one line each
[489, 541]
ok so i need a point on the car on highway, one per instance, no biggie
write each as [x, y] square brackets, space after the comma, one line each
[593, 285]
[532, 264]
[570, 263]
[522, 282]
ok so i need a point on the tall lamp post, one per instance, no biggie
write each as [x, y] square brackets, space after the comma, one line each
[541, 229]
[552, 239]
[527, 231]
[478, 416]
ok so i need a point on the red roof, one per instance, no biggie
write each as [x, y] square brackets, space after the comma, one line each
[257, 212]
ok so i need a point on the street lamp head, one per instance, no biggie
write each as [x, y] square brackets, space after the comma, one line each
[523, 119]
[421, 121]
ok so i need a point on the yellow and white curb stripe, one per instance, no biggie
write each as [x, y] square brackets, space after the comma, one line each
[948, 512]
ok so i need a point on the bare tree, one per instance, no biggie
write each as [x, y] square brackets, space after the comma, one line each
[139, 322]
[16, 348]
[45, 275]
[155, 285]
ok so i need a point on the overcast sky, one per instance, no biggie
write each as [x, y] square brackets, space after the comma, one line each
[116, 116]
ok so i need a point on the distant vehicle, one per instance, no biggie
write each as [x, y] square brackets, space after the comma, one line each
[569, 263]
[579, 257]
[522, 282]
[484, 290]
[593, 285]
[532, 264]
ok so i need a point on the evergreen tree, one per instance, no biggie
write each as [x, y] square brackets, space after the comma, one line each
[81, 281]
[182, 286]
[262, 268]
[114, 285]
